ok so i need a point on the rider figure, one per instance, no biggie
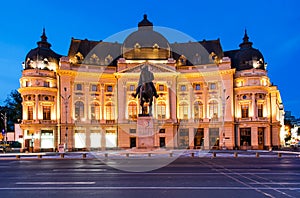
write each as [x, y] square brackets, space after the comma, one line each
[145, 77]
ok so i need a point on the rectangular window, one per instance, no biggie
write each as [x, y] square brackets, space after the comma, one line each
[79, 87]
[46, 84]
[245, 110]
[132, 130]
[30, 113]
[260, 110]
[46, 112]
[197, 87]
[183, 88]
[131, 87]
[161, 88]
[162, 130]
[109, 88]
[94, 88]
[27, 84]
[212, 86]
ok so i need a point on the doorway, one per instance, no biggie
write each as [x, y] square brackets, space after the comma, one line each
[162, 142]
[261, 139]
[132, 142]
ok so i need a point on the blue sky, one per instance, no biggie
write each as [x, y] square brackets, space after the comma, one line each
[273, 27]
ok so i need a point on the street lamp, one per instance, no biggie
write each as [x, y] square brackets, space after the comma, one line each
[223, 118]
[66, 102]
[4, 131]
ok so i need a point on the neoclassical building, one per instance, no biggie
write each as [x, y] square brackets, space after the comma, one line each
[208, 98]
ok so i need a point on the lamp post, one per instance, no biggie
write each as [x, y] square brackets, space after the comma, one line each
[223, 118]
[4, 131]
[66, 103]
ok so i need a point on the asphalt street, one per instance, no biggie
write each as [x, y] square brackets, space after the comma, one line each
[185, 177]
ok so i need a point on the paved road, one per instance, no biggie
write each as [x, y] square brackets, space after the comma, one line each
[185, 177]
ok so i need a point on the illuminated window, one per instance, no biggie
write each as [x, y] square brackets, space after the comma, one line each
[132, 110]
[213, 109]
[110, 111]
[183, 110]
[79, 110]
[46, 112]
[245, 134]
[28, 84]
[95, 111]
[245, 110]
[260, 110]
[30, 113]
[162, 130]
[198, 110]
[161, 110]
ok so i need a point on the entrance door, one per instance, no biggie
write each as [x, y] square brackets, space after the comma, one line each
[260, 136]
[214, 138]
[132, 142]
[198, 139]
[162, 142]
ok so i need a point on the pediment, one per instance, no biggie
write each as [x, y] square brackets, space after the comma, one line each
[155, 68]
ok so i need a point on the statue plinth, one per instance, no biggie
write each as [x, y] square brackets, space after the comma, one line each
[145, 132]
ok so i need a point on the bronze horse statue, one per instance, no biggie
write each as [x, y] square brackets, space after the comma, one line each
[146, 96]
[146, 90]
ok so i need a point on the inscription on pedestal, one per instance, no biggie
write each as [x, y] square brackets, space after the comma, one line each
[145, 132]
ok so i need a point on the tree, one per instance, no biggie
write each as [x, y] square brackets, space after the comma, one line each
[12, 109]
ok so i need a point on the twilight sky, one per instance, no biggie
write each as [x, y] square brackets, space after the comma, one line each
[273, 27]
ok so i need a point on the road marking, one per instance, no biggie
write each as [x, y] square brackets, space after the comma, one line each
[276, 183]
[55, 183]
[143, 173]
[80, 170]
[145, 188]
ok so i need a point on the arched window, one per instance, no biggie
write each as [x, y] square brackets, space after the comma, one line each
[132, 110]
[108, 59]
[95, 111]
[94, 59]
[79, 110]
[182, 60]
[213, 109]
[109, 111]
[183, 110]
[198, 110]
[161, 110]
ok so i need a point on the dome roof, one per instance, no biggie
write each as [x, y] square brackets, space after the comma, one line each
[248, 57]
[41, 53]
[145, 37]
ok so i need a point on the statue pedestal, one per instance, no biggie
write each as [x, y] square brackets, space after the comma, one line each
[145, 132]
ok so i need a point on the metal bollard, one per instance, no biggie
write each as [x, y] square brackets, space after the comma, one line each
[84, 155]
[279, 154]
[127, 154]
[40, 156]
[106, 155]
[214, 154]
[171, 154]
[257, 154]
[62, 155]
[17, 156]
[193, 155]
[235, 154]
[149, 154]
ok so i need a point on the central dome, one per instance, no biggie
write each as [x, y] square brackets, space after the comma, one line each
[145, 43]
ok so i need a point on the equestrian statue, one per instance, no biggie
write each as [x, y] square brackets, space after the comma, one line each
[145, 90]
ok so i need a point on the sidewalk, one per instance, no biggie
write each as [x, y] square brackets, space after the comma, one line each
[161, 153]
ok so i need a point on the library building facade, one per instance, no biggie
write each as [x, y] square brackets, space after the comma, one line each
[206, 98]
